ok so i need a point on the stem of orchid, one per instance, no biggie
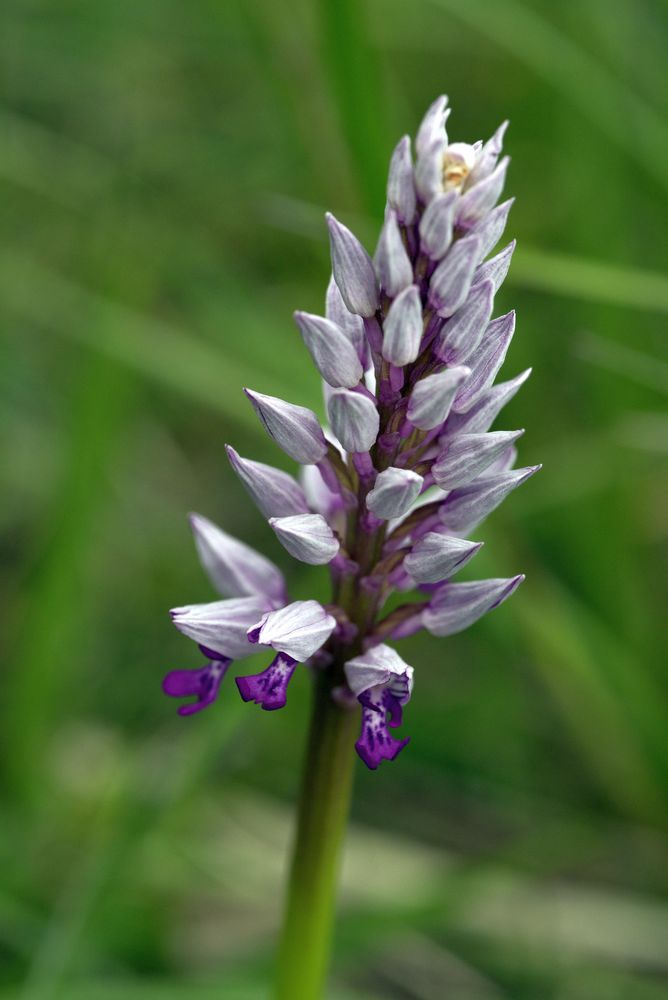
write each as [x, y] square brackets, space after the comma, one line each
[323, 814]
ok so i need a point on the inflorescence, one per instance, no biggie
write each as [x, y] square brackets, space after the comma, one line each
[408, 353]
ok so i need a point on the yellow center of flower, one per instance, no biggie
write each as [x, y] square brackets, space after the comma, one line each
[458, 162]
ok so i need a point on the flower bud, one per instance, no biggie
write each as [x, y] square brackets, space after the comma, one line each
[351, 324]
[295, 429]
[353, 269]
[482, 414]
[451, 281]
[486, 360]
[466, 456]
[429, 170]
[436, 225]
[490, 229]
[463, 332]
[437, 557]
[400, 183]
[432, 397]
[393, 265]
[306, 537]
[333, 354]
[394, 492]
[464, 509]
[455, 606]
[403, 328]
[354, 419]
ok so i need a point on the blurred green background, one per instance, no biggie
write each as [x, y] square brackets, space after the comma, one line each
[164, 169]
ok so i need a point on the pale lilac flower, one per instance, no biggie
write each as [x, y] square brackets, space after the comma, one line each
[408, 352]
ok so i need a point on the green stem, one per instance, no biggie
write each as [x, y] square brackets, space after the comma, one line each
[323, 814]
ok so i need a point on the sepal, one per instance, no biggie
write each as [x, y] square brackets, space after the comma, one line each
[275, 492]
[298, 629]
[234, 568]
[294, 428]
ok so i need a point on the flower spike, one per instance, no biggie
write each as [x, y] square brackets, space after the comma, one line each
[408, 353]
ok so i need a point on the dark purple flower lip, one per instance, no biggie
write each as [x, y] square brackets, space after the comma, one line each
[202, 684]
[269, 688]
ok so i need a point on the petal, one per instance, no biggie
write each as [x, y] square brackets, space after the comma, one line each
[269, 688]
[203, 684]
[298, 629]
[463, 332]
[221, 626]
[235, 569]
[306, 537]
[401, 184]
[295, 429]
[455, 606]
[394, 492]
[432, 397]
[393, 266]
[333, 354]
[354, 420]
[353, 269]
[380, 666]
[437, 557]
[403, 328]
[275, 492]
[468, 455]
[451, 281]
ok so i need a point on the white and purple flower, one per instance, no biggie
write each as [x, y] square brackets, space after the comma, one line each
[408, 351]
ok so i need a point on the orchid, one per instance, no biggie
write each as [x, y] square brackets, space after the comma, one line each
[408, 351]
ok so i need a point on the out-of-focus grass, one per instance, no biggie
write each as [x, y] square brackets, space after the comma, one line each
[163, 172]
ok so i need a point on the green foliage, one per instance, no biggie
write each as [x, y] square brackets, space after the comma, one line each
[164, 168]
